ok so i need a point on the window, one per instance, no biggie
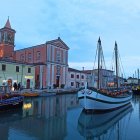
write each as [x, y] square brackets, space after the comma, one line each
[82, 76]
[38, 55]
[58, 56]
[58, 70]
[3, 67]
[77, 76]
[72, 83]
[17, 68]
[72, 75]
[29, 57]
[29, 70]
[37, 77]
[82, 84]
[22, 57]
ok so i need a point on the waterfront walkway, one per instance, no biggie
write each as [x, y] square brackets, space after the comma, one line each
[48, 92]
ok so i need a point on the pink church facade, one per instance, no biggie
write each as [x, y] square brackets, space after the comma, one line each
[51, 60]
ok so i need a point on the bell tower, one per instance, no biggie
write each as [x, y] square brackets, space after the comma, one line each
[7, 38]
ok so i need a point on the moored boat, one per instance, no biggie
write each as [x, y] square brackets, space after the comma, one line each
[30, 94]
[99, 99]
[10, 101]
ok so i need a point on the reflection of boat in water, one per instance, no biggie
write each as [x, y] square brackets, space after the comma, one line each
[99, 124]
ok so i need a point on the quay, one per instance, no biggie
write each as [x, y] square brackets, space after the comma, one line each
[48, 92]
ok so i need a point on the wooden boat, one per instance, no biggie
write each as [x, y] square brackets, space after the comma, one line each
[136, 90]
[30, 94]
[102, 125]
[99, 99]
[10, 101]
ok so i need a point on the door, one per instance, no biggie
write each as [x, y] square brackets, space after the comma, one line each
[28, 84]
[57, 81]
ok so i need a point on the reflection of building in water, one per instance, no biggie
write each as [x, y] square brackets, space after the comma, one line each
[105, 126]
[52, 106]
[41, 118]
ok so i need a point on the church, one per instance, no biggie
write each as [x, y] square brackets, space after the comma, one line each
[50, 59]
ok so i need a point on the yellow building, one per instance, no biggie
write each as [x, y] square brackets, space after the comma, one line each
[16, 72]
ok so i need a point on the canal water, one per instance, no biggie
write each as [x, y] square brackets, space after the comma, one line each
[62, 118]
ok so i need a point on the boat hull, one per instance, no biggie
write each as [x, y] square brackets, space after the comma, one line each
[137, 91]
[100, 102]
[11, 103]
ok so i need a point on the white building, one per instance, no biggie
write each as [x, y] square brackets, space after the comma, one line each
[76, 78]
[106, 77]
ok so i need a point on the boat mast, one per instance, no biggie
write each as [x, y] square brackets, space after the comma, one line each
[99, 56]
[116, 62]
[138, 76]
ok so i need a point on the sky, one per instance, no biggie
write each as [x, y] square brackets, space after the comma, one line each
[79, 23]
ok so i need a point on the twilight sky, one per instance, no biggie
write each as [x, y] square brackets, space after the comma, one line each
[79, 23]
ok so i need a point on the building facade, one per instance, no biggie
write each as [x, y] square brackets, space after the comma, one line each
[106, 77]
[51, 60]
[76, 78]
[15, 72]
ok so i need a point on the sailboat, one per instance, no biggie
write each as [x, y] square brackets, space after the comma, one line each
[136, 89]
[99, 99]
[102, 125]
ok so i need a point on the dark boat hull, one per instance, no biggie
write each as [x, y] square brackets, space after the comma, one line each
[137, 91]
[12, 103]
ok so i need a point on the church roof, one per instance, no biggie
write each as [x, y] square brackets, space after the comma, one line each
[8, 25]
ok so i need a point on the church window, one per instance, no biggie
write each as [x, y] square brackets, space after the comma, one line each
[22, 57]
[29, 57]
[38, 55]
[58, 56]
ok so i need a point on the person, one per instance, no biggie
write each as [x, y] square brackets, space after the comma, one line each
[15, 86]
[19, 86]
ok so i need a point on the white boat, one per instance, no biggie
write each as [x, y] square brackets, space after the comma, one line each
[102, 125]
[99, 99]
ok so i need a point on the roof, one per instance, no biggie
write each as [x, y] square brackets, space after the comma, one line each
[57, 42]
[8, 25]
[3, 60]
[74, 70]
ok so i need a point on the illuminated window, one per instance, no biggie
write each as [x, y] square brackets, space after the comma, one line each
[1, 53]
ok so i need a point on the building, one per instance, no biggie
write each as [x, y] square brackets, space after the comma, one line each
[7, 38]
[76, 78]
[50, 58]
[12, 71]
[132, 81]
[107, 77]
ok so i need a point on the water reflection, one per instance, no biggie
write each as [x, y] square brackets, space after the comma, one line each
[40, 119]
[105, 126]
